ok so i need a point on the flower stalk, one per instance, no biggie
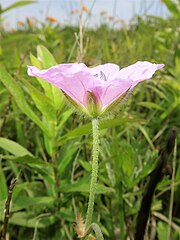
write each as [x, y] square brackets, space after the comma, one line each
[95, 130]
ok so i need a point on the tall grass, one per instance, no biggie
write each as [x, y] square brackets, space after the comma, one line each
[49, 146]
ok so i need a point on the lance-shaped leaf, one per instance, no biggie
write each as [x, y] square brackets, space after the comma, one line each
[16, 91]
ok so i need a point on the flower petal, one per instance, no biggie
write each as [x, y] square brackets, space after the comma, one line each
[139, 71]
[111, 92]
[108, 69]
[69, 68]
[70, 78]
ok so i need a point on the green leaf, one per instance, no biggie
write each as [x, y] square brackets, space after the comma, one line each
[13, 147]
[156, 205]
[127, 159]
[23, 202]
[145, 169]
[86, 165]
[26, 159]
[15, 5]
[83, 185]
[173, 7]
[42, 102]
[151, 105]
[21, 139]
[44, 170]
[45, 85]
[47, 60]
[144, 132]
[87, 128]
[66, 157]
[26, 187]
[19, 97]
[3, 186]
[66, 214]
[24, 219]
[172, 107]
[45, 57]
[64, 117]
[162, 230]
[2, 207]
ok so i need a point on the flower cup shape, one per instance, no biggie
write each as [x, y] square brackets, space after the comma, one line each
[95, 90]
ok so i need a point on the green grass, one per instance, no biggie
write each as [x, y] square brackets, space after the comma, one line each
[50, 146]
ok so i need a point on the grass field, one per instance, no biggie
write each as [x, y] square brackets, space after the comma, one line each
[47, 145]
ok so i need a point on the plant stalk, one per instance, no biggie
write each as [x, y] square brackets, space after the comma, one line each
[121, 213]
[95, 130]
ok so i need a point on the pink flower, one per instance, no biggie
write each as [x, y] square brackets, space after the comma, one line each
[95, 90]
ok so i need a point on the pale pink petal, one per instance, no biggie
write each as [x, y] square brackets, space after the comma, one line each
[108, 69]
[73, 82]
[69, 68]
[139, 71]
[110, 92]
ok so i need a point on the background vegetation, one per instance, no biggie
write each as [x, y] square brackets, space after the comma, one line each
[47, 146]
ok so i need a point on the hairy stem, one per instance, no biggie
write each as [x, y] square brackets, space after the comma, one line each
[95, 130]
[94, 227]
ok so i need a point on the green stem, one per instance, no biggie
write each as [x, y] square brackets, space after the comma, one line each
[95, 130]
[94, 227]
[121, 212]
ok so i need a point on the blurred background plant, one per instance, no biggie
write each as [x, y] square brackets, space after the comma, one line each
[48, 146]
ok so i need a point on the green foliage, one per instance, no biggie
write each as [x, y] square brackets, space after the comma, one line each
[15, 5]
[48, 146]
[3, 186]
[19, 97]
[13, 147]
[174, 7]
